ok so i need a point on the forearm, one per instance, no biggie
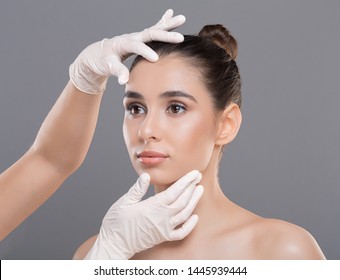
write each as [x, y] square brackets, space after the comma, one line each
[65, 136]
[66, 133]
[24, 186]
[59, 149]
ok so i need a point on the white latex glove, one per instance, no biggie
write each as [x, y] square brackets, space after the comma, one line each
[131, 225]
[90, 71]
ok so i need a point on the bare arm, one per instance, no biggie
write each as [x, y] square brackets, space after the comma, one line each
[84, 248]
[58, 150]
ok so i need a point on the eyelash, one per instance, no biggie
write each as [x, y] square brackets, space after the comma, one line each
[132, 106]
[177, 104]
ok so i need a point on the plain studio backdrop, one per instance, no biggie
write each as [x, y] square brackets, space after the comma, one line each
[285, 162]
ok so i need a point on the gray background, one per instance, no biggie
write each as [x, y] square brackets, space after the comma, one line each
[284, 163]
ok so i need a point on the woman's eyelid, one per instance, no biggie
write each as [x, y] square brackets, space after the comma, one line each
[182, 108]
[178, 103]
[129, 104]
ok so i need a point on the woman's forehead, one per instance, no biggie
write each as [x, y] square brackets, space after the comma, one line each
[170, 73]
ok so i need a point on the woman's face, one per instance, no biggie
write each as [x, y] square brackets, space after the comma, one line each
[169, 125]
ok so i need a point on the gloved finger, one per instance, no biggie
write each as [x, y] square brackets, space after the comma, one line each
[184, 214]
[153, 34]
[185, 229]
[182, 201]
[138, 190]
[168, 22]
[122, 74]
[169, 13]
[139, 48]
[176, 189]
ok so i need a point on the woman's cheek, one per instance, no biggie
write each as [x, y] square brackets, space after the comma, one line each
[130, 133]
[188, 142]
[195, 144]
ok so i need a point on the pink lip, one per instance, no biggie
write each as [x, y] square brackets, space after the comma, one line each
[151, 157]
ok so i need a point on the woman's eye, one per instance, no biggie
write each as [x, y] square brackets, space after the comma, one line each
[135, 110]
[176, 109]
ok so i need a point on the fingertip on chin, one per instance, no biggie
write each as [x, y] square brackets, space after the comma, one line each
[194, 219]
[200, 189]
[145, 177]
[197, 174]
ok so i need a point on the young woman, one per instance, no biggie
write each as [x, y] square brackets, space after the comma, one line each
[181, 112]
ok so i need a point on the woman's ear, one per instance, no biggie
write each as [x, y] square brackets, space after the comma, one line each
[229, 123]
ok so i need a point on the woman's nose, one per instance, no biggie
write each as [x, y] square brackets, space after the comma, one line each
[150, 129]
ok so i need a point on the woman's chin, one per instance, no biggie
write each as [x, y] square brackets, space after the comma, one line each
[162, 179]
[159, 180]
[161, 184]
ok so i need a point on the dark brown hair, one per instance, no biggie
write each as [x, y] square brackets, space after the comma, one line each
[213, 51]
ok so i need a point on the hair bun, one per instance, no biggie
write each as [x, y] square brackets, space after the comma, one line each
[221, 37]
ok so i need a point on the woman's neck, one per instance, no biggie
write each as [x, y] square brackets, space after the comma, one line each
[212, 211]
[216, 216]
[213, 204]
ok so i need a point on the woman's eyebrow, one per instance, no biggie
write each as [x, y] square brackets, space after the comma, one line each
[167, 94]
[133, 94]
[177, 93]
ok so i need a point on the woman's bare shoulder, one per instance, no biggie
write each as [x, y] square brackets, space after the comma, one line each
[84, 248]
[279, 239]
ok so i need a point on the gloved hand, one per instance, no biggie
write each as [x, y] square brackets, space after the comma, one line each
[131, 225]
[91, 69]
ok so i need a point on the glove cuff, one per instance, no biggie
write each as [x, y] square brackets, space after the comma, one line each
[86, 81]
[103, 250]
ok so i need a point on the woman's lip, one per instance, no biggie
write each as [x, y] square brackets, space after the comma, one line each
[151, 154]
[151, 157]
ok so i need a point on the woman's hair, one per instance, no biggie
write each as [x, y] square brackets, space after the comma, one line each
[213, 52]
